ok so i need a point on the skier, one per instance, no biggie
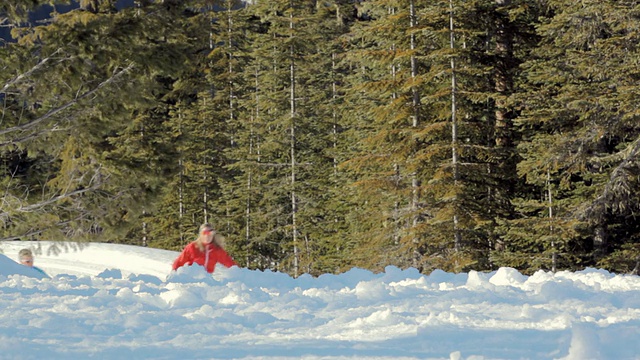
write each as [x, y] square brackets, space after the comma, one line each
[206, 250]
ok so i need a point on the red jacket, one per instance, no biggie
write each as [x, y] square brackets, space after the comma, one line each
[212, 255]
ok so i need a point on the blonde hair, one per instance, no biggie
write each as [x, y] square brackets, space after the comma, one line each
[218, 239]
[25, 253]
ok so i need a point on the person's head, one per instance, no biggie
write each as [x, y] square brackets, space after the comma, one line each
[26, 257]
[208, 235]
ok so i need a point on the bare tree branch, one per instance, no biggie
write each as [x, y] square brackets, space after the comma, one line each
[23, 75]
[35, 206]
[32, 207]
[33, 232]
[30, 136]
[19, 237]
[94, 183]
[71, 103]
[598, 204]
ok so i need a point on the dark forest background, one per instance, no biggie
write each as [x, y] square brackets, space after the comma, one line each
[324, 135]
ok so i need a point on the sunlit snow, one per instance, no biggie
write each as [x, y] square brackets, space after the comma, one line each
[108, 301]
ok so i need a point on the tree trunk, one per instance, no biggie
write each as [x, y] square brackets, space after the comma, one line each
[415, 183]
[294, 204]
[553, 245]
[503, 82]
[599, 241]
[454, 129]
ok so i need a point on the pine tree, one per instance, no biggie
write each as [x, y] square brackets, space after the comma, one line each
[580, 136]
[432, 137]
[94, 69]
[279, 155]
[384, 109]
[195, 126]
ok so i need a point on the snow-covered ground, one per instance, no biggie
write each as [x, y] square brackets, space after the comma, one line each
[107, 301]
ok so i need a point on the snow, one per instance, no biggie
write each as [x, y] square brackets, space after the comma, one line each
[109, 301]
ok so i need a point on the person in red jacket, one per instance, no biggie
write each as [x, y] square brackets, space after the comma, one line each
[206, 250]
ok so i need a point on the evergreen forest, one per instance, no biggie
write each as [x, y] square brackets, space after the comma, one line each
[322, 135]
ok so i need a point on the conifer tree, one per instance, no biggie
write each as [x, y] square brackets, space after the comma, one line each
[398, 157]
[580, 137]
[328, 246]
[93, 68]
[256, 209]
[455, 144]
[318, 136]
[385, 108]
[281, 142]
[196, 119]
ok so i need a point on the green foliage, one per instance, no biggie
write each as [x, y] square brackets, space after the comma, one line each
[624, 260]
[79, 83]
[574, 121]
[319, 136]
